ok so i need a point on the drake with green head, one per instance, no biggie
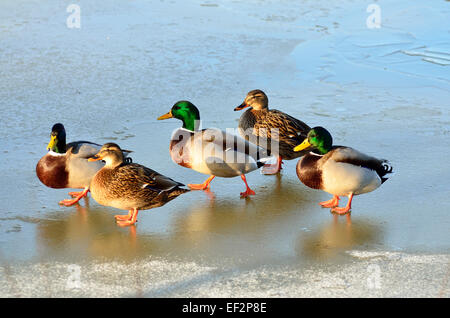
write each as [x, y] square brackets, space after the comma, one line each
[338, 170]
[67, 166]
[271, 129]
[211, 151]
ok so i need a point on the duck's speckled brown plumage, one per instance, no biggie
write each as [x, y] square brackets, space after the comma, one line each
[291, 131]
[256, 123]
[132, 186]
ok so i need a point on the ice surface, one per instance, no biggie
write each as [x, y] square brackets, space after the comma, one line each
[383, 91]
[379, 275]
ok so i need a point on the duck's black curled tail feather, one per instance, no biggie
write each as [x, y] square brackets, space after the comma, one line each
[385, 168]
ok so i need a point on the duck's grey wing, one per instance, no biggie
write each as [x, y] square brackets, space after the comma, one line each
[357, 158]
[87, 149]
[83, 149]
[231, 142]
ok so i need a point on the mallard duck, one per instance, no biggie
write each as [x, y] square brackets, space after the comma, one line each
[211, 151]
[66, 165]
[130, 186]
[339, 170]
[271, 129]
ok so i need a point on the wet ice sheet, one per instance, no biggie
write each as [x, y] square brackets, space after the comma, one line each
[383, 91]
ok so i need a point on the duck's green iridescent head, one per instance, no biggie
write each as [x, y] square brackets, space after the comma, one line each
[186, 112]
[319, 138]
[57, 139]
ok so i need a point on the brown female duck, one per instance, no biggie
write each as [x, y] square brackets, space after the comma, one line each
[130, 186]
[270, 127]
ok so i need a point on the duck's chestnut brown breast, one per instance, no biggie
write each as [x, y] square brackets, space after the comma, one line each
[51, 170]
[308, 171]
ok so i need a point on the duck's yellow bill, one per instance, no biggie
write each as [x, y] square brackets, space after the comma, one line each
[166, 116]
[305, 144]
[52, 143]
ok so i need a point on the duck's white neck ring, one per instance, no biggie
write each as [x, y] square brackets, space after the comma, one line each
[55, 154]
[315, 154]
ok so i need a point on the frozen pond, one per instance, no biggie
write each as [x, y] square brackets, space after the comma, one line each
[384, 91]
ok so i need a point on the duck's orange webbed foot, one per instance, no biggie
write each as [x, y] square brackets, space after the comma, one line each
[126, 223]
[78, 196]
[248, 191]
[346, 209]
[343, 210]
[201, 186]
[330, 203]
[127, 220]
[123, 217]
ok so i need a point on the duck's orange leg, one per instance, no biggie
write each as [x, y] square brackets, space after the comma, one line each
[202, 186]
[273, 168]
[78, 196]
[280, 162]
[345, 209]
[248, 191]
[330, 203]
[131, 221]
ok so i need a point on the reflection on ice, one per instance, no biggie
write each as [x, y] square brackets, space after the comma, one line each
[338, 235]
